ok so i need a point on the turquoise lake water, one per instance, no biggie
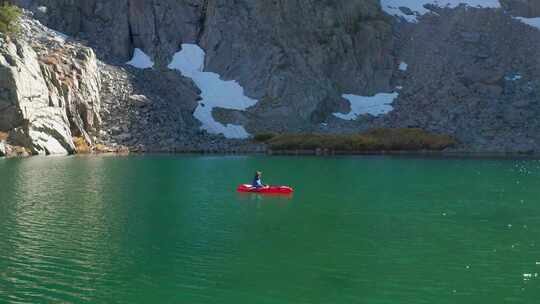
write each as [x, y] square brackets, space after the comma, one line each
[172, 229]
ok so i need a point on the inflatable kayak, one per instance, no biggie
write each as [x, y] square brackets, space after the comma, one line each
[266, 190]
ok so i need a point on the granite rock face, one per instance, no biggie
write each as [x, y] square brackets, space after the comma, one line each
[114, 28]
[297, 56]
[472, 73]
[106, 22]
[50, 90]
[26, 109]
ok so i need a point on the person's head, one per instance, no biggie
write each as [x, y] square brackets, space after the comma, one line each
[258, 174]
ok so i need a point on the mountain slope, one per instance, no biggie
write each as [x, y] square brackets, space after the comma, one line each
[312, 66]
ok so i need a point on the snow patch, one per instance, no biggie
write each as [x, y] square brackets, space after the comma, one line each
[140, 60]
[392, 7]
[403, 66]
[214, 92]
[513, 77]
[534, 22]
[376, 105]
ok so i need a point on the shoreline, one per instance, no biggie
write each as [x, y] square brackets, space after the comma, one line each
[426, 154]
[415, 154]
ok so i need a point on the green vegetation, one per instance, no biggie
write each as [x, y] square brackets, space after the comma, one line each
[264, 137]
[9, 17]
[374, 140]
[81, 146]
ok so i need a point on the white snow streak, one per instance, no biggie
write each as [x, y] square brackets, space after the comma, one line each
[417, 6]
[140, 60]
[403, 66]
[534, 22]
[513, 77]
[215, 92]
[374, 105]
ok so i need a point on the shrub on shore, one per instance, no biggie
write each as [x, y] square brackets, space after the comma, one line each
[81, 146]
[264, 137]
[373, 140]
[9, 18]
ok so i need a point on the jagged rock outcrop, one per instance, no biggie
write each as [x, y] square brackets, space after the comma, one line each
[26, 110]
[50, 90]
[74, 83]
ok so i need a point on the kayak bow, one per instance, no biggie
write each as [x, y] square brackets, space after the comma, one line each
[268, 190]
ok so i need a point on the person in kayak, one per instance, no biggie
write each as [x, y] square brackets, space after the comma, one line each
[257, 182]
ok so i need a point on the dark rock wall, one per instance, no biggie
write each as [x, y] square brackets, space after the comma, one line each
[297, 56]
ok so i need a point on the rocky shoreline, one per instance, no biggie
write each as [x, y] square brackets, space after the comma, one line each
[318, 153]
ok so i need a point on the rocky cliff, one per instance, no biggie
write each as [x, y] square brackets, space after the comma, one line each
[49, 90]
[297, 57]
[462, 70]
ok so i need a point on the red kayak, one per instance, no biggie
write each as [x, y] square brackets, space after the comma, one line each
[266, 190]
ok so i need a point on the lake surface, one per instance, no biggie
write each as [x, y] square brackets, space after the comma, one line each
[172, 229]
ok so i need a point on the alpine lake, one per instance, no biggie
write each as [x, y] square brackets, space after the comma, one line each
[358, 229]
